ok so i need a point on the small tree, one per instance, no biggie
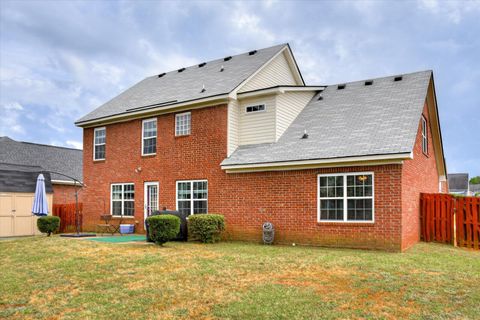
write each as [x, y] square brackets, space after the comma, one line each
[475, 180]
[48, 224]
[163, 228]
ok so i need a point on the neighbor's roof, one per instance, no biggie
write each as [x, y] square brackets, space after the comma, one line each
[177, 87]
[457, 182]
[50, 158]
[19, 178]
[359, 120]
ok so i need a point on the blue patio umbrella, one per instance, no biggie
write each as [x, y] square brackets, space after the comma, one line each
[40, 205]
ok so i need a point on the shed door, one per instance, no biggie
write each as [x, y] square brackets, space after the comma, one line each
[16, 217]
[6, 214]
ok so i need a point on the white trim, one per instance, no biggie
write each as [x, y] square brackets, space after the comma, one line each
[277, 90]
[345, 197]
[255, 105]
[143, 137]
[191, 190]
[190, 124]
[394, 156]
[122, 200]
[127, 116]
[104, 144]
[145, 200]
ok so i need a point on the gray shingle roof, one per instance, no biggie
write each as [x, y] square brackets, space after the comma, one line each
[18, 178]
[458, 182]
[359, 120]
[186, 85]
[51, 158]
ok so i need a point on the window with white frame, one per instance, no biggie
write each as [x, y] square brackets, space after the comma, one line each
[346, 197]
[192, 196]
[255, 108]
[183, 124]
[149, 136]
[122, 199]
[99, 138]
[424, 135]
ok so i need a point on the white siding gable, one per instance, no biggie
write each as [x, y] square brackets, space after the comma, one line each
[257, 127]
[275, 73]
[289, 105]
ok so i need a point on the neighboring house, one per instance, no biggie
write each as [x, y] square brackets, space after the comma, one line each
[243, 136]
[46, 158]
[458, 184]
[475, 189]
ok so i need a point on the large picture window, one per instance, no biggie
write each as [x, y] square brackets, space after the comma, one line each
[346, 197]
[99, 137]
[192, 196]
[149, 137]
[122, 199]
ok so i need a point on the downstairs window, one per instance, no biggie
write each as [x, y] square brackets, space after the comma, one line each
[122, 199]
[192, 196]
[346, 197]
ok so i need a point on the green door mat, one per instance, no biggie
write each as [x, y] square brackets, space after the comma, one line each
[117, 239]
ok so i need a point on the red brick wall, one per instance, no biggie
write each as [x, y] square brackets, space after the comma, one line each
[288, 198]
[419, 175]
[65, 194]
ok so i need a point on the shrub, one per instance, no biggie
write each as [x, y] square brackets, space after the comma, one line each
[206, 227]
[163, 228]
[48, 224]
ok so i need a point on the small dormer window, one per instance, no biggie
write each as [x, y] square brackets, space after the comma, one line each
[255, 108]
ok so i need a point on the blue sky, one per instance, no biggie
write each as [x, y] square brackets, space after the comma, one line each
[60, 60]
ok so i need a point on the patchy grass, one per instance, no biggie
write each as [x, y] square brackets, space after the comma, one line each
[63, 278]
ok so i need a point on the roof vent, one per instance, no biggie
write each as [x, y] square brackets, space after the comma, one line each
[161, 75]
[203, 89]
[181, 70]
[202, 64]
[227, 58]
[251, 53]
[305, 134]
[320, 98]
[341, 86]
[368, 82]
[222, 68]
[398, 78]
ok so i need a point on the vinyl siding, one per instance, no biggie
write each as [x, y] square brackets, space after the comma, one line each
[277, 72]
[257, 127]
[233, 124]
[289, 105]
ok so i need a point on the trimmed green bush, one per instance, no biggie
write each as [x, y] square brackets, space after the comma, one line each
[163, 228]
[206, 227]
[48, 224]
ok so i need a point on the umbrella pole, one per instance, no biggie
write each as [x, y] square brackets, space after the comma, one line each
[77, 227]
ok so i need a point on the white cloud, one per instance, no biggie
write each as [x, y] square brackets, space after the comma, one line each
[10, 120]
[454, 11]
[74, 144]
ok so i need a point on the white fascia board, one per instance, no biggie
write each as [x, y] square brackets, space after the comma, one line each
[277, 90]
[199, 103]
[396, 158]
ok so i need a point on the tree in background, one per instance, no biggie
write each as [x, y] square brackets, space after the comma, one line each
[475, 180]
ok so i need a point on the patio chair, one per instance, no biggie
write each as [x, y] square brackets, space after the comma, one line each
[107, 226]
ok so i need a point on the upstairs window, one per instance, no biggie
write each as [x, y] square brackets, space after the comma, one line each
[123, 199]
[99, 137]
[183, 124]
[345, 197]
[424, 136]
[149, 137]
[192, 196]
[255, 108]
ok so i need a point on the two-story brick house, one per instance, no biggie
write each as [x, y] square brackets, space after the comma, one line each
[243, 136]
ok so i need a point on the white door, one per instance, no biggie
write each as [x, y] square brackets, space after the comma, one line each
[150, 201]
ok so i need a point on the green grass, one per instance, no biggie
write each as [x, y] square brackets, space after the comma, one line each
[60, 278]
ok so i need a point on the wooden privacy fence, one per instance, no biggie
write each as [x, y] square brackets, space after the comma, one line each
[66, 213]
[447, 219]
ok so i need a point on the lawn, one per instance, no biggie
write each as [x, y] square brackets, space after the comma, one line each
[58, 278]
